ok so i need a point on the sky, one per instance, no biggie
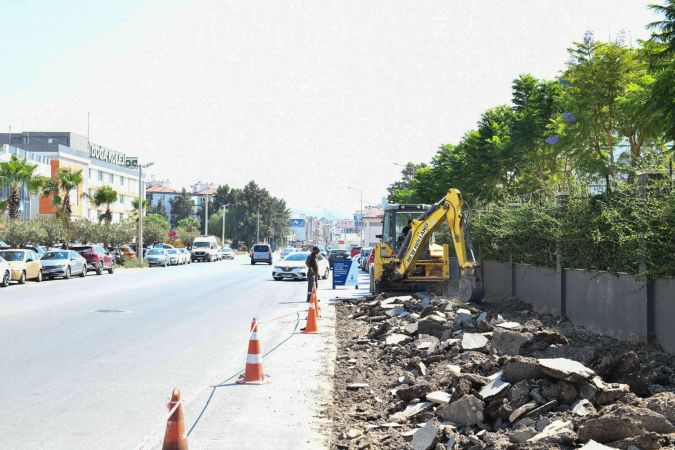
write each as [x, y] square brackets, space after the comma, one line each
[304, 97]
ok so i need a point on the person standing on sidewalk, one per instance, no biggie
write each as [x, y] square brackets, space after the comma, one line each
[312, 271]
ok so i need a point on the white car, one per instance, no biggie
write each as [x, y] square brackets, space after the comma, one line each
[5, 273]
[157, 257]
[293, 267]
[176, 257]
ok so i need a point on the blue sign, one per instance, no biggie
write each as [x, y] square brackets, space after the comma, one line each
[345, 272]
[296, 223]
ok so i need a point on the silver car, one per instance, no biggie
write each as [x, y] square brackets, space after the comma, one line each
[157, 257]
[63, 264]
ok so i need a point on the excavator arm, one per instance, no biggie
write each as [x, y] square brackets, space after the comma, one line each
[448, 210]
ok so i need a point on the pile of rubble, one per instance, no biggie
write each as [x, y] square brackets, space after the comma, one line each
[432, 373]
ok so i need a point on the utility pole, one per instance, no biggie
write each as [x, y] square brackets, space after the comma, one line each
[224, 214]
[206, 216]
[257, 232]
[139, 237]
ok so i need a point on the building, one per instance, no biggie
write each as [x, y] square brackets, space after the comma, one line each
[100, 166]
[200, 192]
[161, 192]
[30, 202]
[372, 225]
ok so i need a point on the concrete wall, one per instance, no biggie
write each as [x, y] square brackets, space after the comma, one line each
[664, 313]
[497, 279]
[614, 305]
[538, 286]
[622, 306]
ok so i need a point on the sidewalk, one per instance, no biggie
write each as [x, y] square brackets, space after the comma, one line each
[290, 411]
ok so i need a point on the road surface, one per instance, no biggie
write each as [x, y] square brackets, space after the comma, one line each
[90, 363]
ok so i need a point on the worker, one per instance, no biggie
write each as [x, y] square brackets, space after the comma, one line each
[406, 228]
[312, 271]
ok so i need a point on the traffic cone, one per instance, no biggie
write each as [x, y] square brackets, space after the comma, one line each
[253, 374]
[311, 327]
[316, 302]
[174, 437]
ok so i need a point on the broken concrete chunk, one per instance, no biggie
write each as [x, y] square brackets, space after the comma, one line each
[609, 428]
[608, 392]
[462, 316]
[582, 408]
[482, 317]
[466, 411]
[395, 339]
[520, 368]
[494, 387]
[519, 412]
[422, 368]
[425, 438]
[565, 369]
[663, 403]
[425, 342]
[398, 311]
[507, 342]
[474, 341]
[438, 397]
[411, 328]
[432, 325]
[410, 411]
[353, 433]
[592, 445]
[557, 432]
[515, 326]
[356, 386]
[651, 420]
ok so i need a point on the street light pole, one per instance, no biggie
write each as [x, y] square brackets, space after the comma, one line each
[257, 231]
[139, 237]
[206, 216]
[360, 210]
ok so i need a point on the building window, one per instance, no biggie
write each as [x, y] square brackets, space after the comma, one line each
[100, 176]
[121, 199]
[121, 180]
[111, 178]
[92, 174]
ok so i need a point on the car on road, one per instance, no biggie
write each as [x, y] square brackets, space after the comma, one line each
[227, 253]
[261, 253]
[355, 251]
[98, 258]
[158, 257]
[293, 267]
[337, 254]
[23, 264]
[174, 257]
[363, 259]
[371, 262]
[186, 255]
[6, 273]
[287, 251]
[63, 263]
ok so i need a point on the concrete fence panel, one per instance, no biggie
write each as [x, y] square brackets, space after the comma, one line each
[614, 305]
[538, 286]
[497, 279]
[664, 313]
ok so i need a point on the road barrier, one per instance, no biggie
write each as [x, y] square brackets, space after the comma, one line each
[175, 437]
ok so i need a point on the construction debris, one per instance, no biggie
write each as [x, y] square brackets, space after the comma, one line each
[425, 373]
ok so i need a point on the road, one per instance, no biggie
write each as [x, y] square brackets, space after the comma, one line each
[90, 363]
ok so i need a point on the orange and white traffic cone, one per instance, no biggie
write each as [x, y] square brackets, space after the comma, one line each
[311, 327]
[316, 302]
[253, 374]
[174, 436]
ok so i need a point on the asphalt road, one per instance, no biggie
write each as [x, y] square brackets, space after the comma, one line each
[90, 363]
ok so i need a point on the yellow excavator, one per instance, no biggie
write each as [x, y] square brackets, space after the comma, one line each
[404, 262]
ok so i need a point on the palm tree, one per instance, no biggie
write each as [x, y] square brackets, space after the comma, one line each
[17, 174]
[105, 195]
[61, 187]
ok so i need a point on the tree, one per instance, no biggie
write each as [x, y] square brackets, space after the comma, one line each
[17, 174]
[116, 234]
[155, 229]
[55, 229]
[396, 190]
[18, 232]
[660, 50]
[104, 196]
[665, 30]
[65, 182]
[158, 208]
[187, 230]
[182, 206]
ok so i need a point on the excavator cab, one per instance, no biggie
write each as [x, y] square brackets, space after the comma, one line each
[396, 217]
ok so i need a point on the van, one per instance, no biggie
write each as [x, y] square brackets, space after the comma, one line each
[261, 252]
[205, 248]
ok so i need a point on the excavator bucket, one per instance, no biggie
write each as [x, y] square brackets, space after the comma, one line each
[471, 285]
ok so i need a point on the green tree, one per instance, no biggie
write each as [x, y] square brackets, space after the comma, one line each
[182, 206]
[65, 182]
[158, 208]
[56, 230]
[104, 196]
[17, 174]
[18, 232]
[155, 229]
[660, 51]
[116, 234]
[187, 230]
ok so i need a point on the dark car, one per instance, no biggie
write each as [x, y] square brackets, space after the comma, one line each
[97, 257]
[337, 254]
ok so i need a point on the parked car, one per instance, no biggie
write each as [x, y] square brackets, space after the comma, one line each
[157, 257]
[6, 272]
[363, 260]
[186, 255]
[293, 267]
[261, 252]
[355, 251]
[63, 263]
[39, 250]
[371, 262]
[23, 264]
[337, 254]
[227, 253]
[98, 258]
[176, 258]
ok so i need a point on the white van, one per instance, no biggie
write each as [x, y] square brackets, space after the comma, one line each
[205, 248]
